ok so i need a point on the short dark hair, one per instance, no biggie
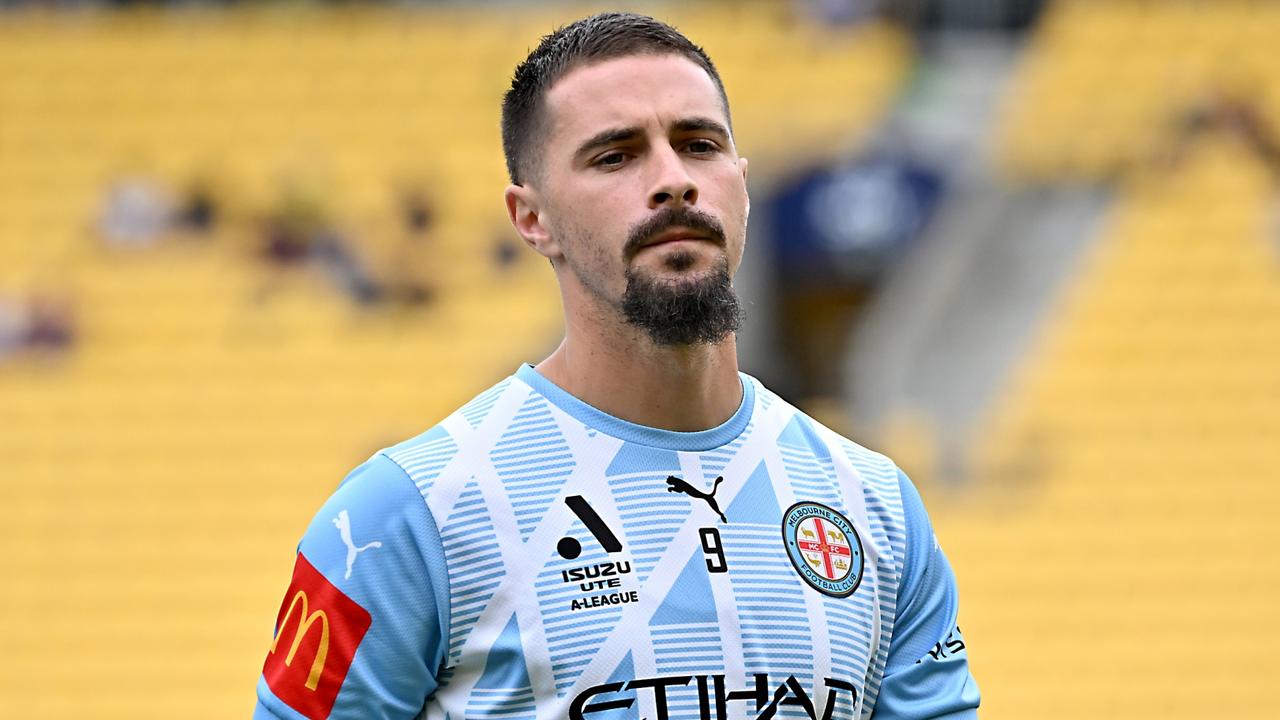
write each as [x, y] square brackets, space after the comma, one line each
[604, 36]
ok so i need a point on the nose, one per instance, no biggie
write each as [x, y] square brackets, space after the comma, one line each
[672, 184]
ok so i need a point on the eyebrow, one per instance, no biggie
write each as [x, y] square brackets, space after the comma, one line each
[702, 124]
[616, 135]
[607, 137]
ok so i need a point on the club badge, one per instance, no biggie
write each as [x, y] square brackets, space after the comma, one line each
[824, 548]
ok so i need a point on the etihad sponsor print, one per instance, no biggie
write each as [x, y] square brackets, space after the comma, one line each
[762, 699]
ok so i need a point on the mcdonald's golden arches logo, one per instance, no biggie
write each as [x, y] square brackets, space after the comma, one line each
[304, 625]
[323, 627]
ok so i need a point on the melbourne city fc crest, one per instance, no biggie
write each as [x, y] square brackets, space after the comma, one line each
[823, 547]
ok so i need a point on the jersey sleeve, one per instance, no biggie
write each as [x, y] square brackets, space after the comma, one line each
[361, 630]
[927, 675]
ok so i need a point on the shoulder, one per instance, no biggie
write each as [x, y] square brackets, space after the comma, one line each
[801, 431]
[457, 442]
[376, 498]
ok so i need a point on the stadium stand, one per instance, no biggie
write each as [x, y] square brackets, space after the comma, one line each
[1104, 83]
[158, 476]
[1115, 553]
[1120, 542]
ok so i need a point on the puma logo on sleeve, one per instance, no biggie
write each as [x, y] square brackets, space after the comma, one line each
[343, 523]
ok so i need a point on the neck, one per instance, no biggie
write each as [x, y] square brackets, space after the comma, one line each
[623, 373]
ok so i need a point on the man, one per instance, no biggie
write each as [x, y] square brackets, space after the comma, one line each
[631, 529]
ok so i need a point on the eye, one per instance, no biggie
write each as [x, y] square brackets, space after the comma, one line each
[701, 147]
[610, 159]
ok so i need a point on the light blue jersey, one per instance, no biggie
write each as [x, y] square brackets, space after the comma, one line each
[532, 557]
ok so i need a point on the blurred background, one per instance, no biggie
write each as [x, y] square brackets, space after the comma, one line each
[1029, 249]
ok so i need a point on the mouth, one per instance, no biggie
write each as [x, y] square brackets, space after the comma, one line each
[676, 235]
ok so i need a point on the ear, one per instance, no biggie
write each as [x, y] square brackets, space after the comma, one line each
[742, 167]
[524, 210]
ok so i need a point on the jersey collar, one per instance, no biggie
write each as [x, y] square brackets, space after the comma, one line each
[596, 419]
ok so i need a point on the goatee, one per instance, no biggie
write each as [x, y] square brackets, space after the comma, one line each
[683, 312]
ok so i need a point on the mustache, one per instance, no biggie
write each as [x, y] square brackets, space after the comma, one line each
[668, 218]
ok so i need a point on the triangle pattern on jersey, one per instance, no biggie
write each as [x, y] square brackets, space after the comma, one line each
[478, 409]
[756, 503]
[469, 509]
[505, 667]
[800, 434]
[634, 458]
[533, 459]
[423, 457]
[436, 433]
[625, 671]
[690, 599]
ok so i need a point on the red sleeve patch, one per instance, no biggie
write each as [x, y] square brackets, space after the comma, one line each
[317, 633]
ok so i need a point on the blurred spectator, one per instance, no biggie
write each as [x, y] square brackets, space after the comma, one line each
[50, 323]
[1228, 111]
[42, 324]
[299, 233]
[199, 211]
[412, 263]
[137, 212]
[418, 212]
[289, 230]
[505, 252]
[330, 249]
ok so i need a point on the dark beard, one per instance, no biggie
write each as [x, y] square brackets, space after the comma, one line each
[705, 310]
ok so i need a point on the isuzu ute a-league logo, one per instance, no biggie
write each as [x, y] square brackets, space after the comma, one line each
[823, 547]
[606, 576]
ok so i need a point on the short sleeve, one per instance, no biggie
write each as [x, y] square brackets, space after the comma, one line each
[360, 629]
[927, 675]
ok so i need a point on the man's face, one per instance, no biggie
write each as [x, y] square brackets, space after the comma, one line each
[641, 189]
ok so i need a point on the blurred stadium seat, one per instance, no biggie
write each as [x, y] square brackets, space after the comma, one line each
[158, 477]
[1103, 82]
[1121, 543]
[1116, 559]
